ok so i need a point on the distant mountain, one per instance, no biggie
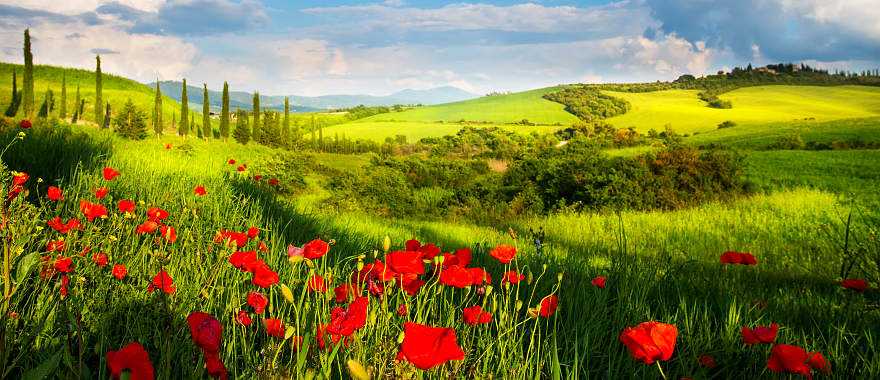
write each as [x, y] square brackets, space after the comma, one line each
[243, 100]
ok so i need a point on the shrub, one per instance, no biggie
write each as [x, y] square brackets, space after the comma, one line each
[727, 124]
[131, 122]
[791, 142]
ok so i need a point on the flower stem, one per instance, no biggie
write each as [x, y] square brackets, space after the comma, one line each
[663, 375]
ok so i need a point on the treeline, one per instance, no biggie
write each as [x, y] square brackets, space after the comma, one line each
[588, 103]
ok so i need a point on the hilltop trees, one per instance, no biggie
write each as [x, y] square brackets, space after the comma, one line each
[99, 118]
[208, 132]
[224, 113]
[256, 134]
[130, 122]
[242, 133]
[183, 128]
[62, 109]
[27, 96]
[157, 110]
[15, 99]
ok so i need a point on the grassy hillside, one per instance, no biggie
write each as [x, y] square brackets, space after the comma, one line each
[752, 105]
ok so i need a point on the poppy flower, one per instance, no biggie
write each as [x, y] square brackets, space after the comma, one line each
[650, 341]
[427, 347]
[101, 192]
[346, 321]
[548, 306]
[456, 276]
[244, 260]
[819, 363]
[63, 228]
[512, 277]
[54, 194]
[412, 245]
[65, 282]
[429, 251]
[231, 162]
[126, 206]
[707, 361]
[461, 257]
[241, 168]
[345, 291]
[599, 282]
[92, 210]
[321, 336]
[788, 358]
[263, 276]
[55, 245]
[169, 233]
[741, 258]
[243, 318]
[226, 237]
[410, 283]
[760, 334]
[25, 124]
[156, 214]
[856, 284]
[147, 227]
[132, 358]
[405, 262]
[258, 301]
[200, 191]
[252, 232]
[273, 181]
[163, 282]
[168, 146]
[214, 366]
[119, 271]
[263, 247]
[503, 253]
[315, 249]
[274, 327]
[100, 259]
[402, 310]
[19, 178]
[206, 331]
[316, 283]
[479, 276]
[110, 173]
[374, 271]
[258, 177]
[63, 265]
[475, 315]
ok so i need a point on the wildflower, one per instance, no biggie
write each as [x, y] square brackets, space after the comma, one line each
[25, 124]
[273, 182]
[263, 276]
[55, 245]
[243, 318]
[63, 228]
[169, 233]
[110, 173]
[132, 358]
[427, 347]
[156, 214]
[346, 321]
[200, 191]
[65, 282]
[225, 236]
[855, 284]
[503, 253]
[119, 271]
[512, 277]
[599, 282]
[258, 301]
[126, 206]
[147, 227]
[760, 334]
[316, 283]
[707, 361]
[461, 257]
[741, 258]
[650, 341]
[231, 162]
[101, 192]
[315, 249]
[274, 327]
[163, 282]
[54, 194]
[788, 358]
[252, 232]
[100, 259]
[206, 331]
[244, 260]
[475, 315]
[548, 306]
[92, 210]
[456, 276]
[405, 262]
[410, 283]
[168, 146]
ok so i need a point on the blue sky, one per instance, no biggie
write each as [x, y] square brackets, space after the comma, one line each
[315, 47]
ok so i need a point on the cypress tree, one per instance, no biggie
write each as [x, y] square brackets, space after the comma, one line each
[256, 135]
[242, 133]
[77, 107]
[157, 110]
[206, 115]
[48, 104]
[62, 109]
[183, 128]
[27, 96]
[224, 113]
[99, 117]
[106, 119]
[285, 127]
[16, 97]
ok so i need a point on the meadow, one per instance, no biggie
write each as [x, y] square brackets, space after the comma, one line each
[250, 254]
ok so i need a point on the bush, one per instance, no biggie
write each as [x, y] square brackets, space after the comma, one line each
[131, 122]
[726, 124]
[791, 142]
[588, 103]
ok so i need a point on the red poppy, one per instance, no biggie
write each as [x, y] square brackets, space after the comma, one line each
[456, 276]
[169, 233]
[132, 358]
[214, 366]
[410, 283]
[258, 177]
[427, 347]
[512, 277]
[168, 146]
[258, 301]
[207, 332]
[147, 227]
[110, 174]
[475, 315]
[741, 258]
[244, 260]
[252, 232]
[126, 206]
[856, 284]
[156, 214]
[24, 124]
[163, 282]
[402, 310]
[503, 253]
[63, 228]
[55, 245]
[316, 283]
[273, 182]
[225, 236]
[374, 271]
[315, 249]
[819, 363]
[760, 334]
[788, 358]
[346, 321]
[200, 191]
[405, 262]
[321, 336]
[707, 361]
[231, 162]
[599, 282]
[263, 276]
[243, 318]
[461, 257]
[19, 179]
[101, 192]
[274, 327]
[263, 247]
[65, 282]
[92, 210]
[429, 251]
[241, 168]
[119, 271]
[548, 306]
[55, 194]
[650, 341]
[345, 291]
[100, 259]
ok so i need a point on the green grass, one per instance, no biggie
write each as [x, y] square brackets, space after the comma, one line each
[751, 106]
[414, 131]
[761, 136]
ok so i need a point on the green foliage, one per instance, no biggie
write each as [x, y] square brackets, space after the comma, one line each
[157, 111]
[14, 99]
[106, 118]
[224, 113]
[62, 109]
[27, 96]
[242, 132]
[78, 106]
[256, 133]
[588, 103]
[285, 125]
[48, 104]
[362, 111]
[131, 122]
[99, 91]
[207, 132]
[183, 127]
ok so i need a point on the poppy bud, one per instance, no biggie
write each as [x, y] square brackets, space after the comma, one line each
[518, 305]
[529, 278]
[439, 259]
[357, 371]
[386, 244]
[309, 263]
[511, 232]
[285, 291]
[400, 337]
[559, 277]
[488, 289]
[360, 265]
[288, 332]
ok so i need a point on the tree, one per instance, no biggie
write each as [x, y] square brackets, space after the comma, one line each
[16, 97]
[77, 107]
[224, 113]
[206, 115]
[131, 122]
[285, 127]
[99, 118]
[256, 134]
[48, 104]
[269, 135]
[27, 96]
[242, 133]
[183, 128]
[62, 109]
[157, 110]
[106, 117]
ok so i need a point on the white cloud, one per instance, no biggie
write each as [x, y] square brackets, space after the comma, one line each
[74, 7]
[857, 16]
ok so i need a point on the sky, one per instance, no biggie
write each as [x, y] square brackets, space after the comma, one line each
[312, 47]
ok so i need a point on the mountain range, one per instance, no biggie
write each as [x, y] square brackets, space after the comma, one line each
[243, 100]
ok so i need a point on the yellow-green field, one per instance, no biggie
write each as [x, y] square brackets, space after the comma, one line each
[686, 113]
[415, 130]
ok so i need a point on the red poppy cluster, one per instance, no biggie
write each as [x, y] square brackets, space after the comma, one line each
[18, 181]
[741, 258]
[133, 359]
[207, 334]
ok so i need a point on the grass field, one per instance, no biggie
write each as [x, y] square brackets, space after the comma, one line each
[759, 105]
[414, 131]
